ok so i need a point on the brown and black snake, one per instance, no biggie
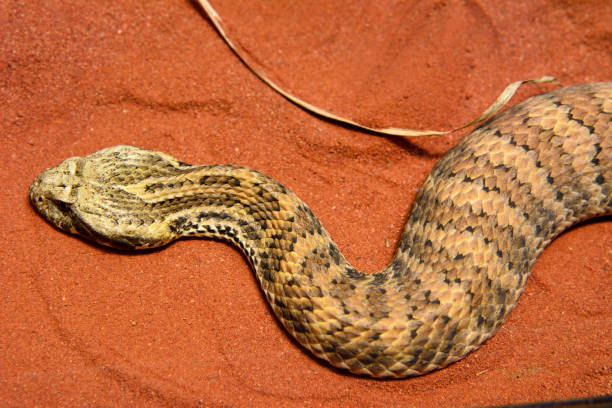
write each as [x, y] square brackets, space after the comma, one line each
[480, 220]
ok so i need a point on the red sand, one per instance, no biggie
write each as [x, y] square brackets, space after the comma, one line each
[187, 325]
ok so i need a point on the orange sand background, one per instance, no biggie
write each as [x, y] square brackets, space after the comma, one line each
[188, 325]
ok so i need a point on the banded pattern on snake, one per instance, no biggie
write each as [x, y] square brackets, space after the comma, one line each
[482, 217]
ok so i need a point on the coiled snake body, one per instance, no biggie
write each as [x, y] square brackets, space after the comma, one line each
[482, 217]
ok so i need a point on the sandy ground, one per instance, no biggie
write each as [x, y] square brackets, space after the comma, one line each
[188, 325]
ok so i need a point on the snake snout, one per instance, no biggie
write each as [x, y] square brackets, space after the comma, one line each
[52, 198]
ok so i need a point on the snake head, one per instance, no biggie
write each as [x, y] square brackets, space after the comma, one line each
[96, 197]
[54, 193]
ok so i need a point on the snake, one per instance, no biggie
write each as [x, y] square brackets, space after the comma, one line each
[481, 218]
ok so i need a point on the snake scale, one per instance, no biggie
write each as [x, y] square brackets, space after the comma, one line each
[481, 218]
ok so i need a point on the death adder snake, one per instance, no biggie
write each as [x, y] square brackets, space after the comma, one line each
[480, 220]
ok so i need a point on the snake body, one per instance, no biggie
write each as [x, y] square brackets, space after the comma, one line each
[480, 220]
